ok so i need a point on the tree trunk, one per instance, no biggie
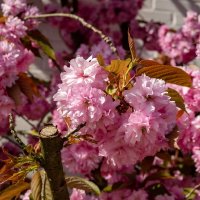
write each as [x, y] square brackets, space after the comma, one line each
[51, 149]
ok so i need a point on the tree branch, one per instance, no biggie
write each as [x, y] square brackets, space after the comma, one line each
[83, 22]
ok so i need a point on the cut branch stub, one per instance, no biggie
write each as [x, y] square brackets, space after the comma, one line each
[52, 144]
[49, 132]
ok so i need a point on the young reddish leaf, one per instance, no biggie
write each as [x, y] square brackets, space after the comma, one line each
[131, 44]
[147, 163]
[118, 66]
[42, 42]
[15, 168]
[3, 19]
[14, 93]
[6, 170]
[167, 73]
[119, 72]
[147, 63]
[177, 98]
[14, 191]
[100, 60]
[27, 86]
[164, 155]
[163, 59]
[68, 122]
[179, 114]
[172, 138]
[26, 41]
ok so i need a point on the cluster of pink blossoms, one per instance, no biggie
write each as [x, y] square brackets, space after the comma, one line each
[118, 133]
[181, 45]
[189, 123]
[100, 49]
[122, 138]
[14, 57]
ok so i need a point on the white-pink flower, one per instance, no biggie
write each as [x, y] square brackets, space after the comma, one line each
[196, 157]
[81, 103]
[83, 71]
[137, 124]
[144, 93]
[13, 7]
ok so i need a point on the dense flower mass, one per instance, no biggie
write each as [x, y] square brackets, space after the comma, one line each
[123, 128]
[81, 158]
[15, 58]
[140, 133]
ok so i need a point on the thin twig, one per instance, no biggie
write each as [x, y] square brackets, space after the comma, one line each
[192, 191]
[14, 133]
[41, 120]
[11, 140]
[74, 131]
[83, 22]
[24, 118]
[19, 141]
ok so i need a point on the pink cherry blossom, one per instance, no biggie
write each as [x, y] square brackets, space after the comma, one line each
[81, 157]
[13, 7]
[84, 71]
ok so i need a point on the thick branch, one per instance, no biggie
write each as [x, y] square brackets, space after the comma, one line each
[51, 147]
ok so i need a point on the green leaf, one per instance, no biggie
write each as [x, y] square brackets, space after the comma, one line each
[177, 98]
[167, 73]
[190, 193]
[83, 184]
[111, 90]
[115, 186]
[42, 42]
[36, 186]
